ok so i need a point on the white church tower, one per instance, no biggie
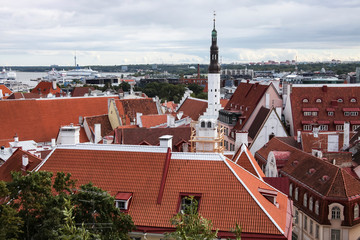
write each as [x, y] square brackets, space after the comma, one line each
[208, 136]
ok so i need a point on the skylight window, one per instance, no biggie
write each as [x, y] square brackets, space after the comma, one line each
[270, 195]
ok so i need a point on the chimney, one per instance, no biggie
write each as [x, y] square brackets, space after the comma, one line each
[69, 135]
[53, 142]
[346, 135]
[267, 100]
[54, 86]
[166, 141]
[1, 94]
[299, 136]
[241, 137]
[2, 149]
[97, 132]
[16, 140]
[138, 119]
[324, 88]
[25, 161]
[170, 120]
[198, 76]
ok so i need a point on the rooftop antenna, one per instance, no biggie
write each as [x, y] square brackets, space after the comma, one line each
[214, 18]
[296, 67]
[75, 59]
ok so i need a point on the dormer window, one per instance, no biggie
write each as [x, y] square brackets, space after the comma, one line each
[296, 194]
[340, 100]
[188, 199]
[270, 195]
[317, 207]
[305, 200]
[356, 211]
[311, 203]
[318, 100]
[122, 200]
[353, 100]
[305, 100]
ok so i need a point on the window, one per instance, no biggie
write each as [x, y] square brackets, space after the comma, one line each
[307, 113]
[335, 213]
[346, 113]
[209, 124]
[188, 200]
[305, 223]
[311, 204]
[330, 113]
[314, 113]
[323, 127]
[317, 207]
[353, 100]
[354, 113]
[122, 200]
[296, 217]
[311, 227]
[340, 100]
[305, 200]
[318, 100]
[335, 234]
[307, 127]
[305, 100]
[290, 189]
[339, 127]
[296, 194]
[356, 211]
[354, 127]
[317, 231]
[202, 124]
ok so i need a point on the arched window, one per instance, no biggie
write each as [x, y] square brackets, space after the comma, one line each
[305, 200]
[317, 207]
[353, 100]
[296, 194]
[305, 100]
[209, 124]
[318, 100]
[290, 189]
[335, 213]
[311, 203]
[356, 211]
[202, 124]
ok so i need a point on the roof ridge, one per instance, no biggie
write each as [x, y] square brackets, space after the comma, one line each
[253, 196]
[343, 179]
[332, 182]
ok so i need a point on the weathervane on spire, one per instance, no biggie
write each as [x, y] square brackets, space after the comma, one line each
[214, 18]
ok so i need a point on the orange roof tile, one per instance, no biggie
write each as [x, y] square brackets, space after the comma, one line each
[40, 119]
[129, 107]
[14, 163]
[5, 91]
[228, 192]
[153, 120]
[245, 159]
[44, 88]
[193, 107]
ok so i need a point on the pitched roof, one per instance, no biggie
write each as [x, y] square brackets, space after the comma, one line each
[81, 91]
[20, 95]
[137, 136]
[45, 87]
[327, 96]
[228, 192]
[153, 120]
[247, 95]
[130, 107]
[5, 91]
[245, 159]
[309, 141]
[14, 163]
[258, 122]
[106, 128]
[193, 107]
[325, 178]
[40, 119]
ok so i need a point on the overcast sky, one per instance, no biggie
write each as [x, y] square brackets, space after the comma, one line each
[120, 32]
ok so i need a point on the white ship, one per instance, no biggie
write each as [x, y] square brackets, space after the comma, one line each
[7, 75]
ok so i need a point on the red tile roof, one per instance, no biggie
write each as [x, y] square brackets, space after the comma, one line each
[5, 91]
[14, 163]
[40, 120]
[329, 96]
[81, 91]
[339, 184]
[228, 192]
[20, 95]
[129, 107]
[152, 120]
[245, 159]
[193, 107]
[139, 136]
[106, 128]
[248, 96]
[44, 88]
[223, 102]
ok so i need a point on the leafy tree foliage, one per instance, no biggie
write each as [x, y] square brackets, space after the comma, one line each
[164, 91]
[35, 212]
[190, 225]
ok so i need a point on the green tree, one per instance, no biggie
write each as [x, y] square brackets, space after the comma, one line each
[10, 222]
[195, 88]
[190, 225]
[96, 209]
[125, 86]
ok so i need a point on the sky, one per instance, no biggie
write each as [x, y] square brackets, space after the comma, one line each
[123, 32]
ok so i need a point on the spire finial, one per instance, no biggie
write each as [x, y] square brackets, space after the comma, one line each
[214, 18]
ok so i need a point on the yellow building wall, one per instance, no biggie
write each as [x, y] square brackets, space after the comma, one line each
[113, 115]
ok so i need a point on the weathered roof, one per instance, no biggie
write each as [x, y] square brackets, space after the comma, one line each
[228, 192]
[193, 107]
[44, 88]
[258, 122]
[153, 120]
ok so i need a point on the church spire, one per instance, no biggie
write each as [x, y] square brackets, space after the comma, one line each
[214, 52]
